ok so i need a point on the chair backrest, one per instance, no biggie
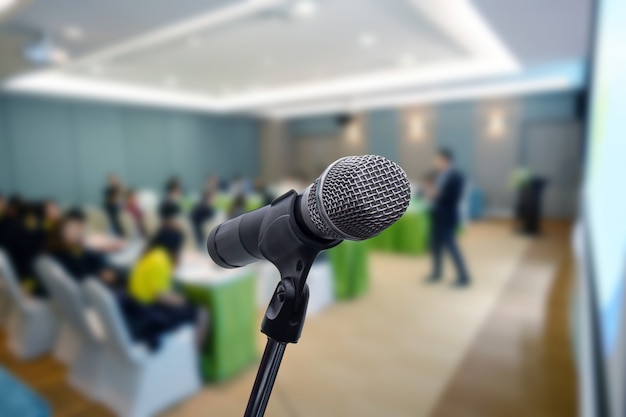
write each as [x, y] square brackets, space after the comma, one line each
[148, 200]
[117, 340]
[66, 296]
[150, 222]
[9, 280]
[188, 235]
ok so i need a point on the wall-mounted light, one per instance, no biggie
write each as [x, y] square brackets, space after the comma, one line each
[353, 131]
[417, 127]
[496, 124]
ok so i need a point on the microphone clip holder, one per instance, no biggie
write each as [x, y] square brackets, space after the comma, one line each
[285, 244]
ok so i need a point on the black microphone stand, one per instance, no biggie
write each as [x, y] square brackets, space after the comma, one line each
[292, 251]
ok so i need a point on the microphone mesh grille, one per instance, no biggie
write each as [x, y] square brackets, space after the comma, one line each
[361, 196]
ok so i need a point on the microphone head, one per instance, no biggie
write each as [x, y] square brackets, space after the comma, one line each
[357, 197]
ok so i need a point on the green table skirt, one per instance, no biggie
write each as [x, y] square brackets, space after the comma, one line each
[409, 235]
[231, 345]
[350, 266]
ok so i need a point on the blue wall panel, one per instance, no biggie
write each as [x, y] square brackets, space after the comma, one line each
[44, 158]
[65, 149]
[100, 145]
[147, 148]
[383, 132]
[455, 129]
[5, 157]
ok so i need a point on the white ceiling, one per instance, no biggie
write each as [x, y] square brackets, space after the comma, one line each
[254, 55]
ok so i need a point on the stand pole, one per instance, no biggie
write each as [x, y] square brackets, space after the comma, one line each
[265, 378]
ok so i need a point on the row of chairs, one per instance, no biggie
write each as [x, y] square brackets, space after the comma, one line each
[83, 327]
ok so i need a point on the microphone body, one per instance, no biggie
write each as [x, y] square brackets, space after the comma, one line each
[355, 198]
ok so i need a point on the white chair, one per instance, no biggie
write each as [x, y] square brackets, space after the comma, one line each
[150, 222]
[5, 303]
[188, 235]
[135, 381]
[32, 326]
[148, 200]
[85, 334]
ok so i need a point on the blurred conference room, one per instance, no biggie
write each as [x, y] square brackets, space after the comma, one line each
[131, 129]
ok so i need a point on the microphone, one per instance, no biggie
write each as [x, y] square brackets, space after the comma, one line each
[355, 198]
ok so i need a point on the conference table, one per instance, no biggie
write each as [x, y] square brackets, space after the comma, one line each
[232, 296]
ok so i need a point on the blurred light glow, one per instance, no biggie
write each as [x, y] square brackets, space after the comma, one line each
[496, 124]
[353, 132]
[436, 96]
[304, 9]
[6, 4]
[417, 128]
[73, 33]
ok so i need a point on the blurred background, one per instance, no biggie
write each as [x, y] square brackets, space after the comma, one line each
[128, 130]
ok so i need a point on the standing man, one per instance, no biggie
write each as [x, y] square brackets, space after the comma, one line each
[445, 193]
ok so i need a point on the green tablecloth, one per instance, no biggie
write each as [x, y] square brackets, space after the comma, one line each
[223, 202]
[231, 345]
[409, 235]
[351, 273]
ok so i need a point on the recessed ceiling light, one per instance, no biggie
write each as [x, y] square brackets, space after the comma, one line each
[367, 40]
[194, 42]
[73, 33]
[304, 8]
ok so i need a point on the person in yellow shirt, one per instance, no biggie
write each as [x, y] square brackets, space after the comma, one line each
[158, 307]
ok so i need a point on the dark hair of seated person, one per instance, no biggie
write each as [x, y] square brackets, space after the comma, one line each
[79, 261]
[169, 237]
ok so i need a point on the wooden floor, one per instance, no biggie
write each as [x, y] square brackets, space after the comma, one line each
[500, 348]
[521, 362]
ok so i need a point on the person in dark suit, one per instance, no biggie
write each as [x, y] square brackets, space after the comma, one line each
[445, 190]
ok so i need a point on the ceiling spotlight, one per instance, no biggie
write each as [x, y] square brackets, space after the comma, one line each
[45, 51]
[368, 40]
[73, 33]
[304, 8]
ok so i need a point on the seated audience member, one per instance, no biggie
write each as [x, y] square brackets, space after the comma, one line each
[238, 206]
[27, 241]
[69, 250]
[173, 193]
[112, 206]
[132, 207]
[201, 213]
[157, 307]
[3, 213]
[10, 220]
[212, 184]
[261, 189]
[50, 216]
